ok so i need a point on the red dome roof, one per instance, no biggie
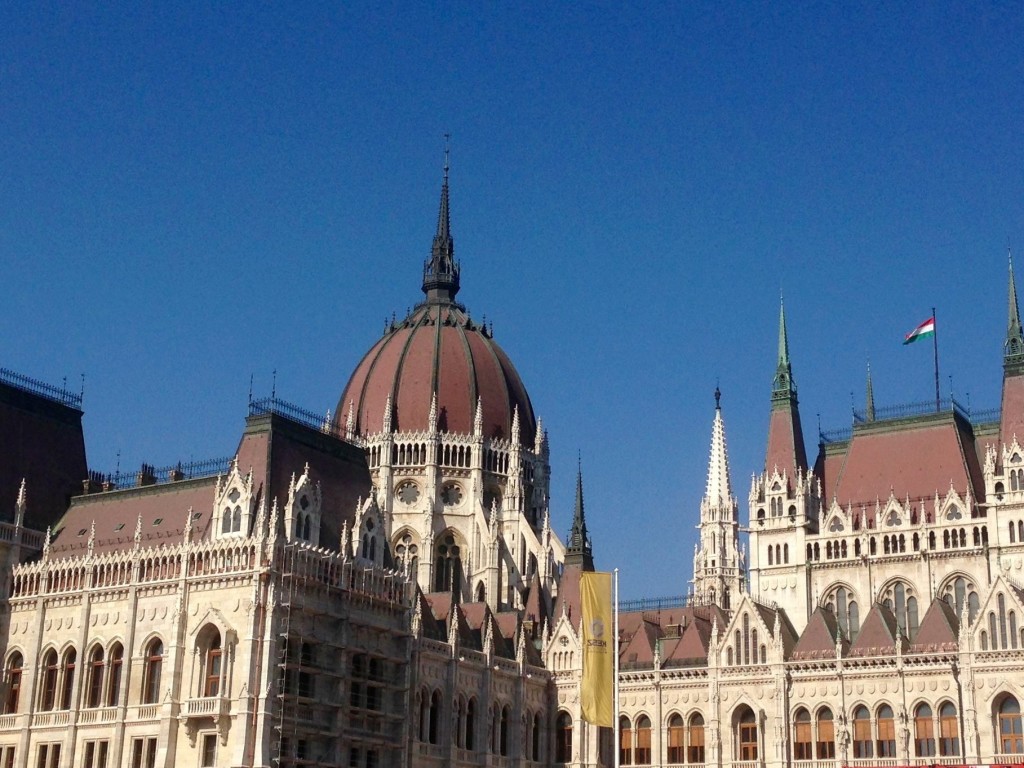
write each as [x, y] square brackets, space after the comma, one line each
[438, 348]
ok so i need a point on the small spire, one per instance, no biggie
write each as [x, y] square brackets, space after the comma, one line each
[578, 551]
[350, 422]
[478, 418]
[386, 426]
[870, 409]
[20, 505]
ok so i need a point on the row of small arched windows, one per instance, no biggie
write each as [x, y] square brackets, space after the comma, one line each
[894, 544]
[103, 673]
[936, 732]
[464, 726]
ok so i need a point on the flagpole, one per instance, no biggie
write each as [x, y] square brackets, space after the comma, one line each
[615, 673]
[935, 348]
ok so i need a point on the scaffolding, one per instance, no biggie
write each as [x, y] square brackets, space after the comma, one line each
[343, 662]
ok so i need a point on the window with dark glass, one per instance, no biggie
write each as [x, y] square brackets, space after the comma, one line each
[68, 683]
[211, 682]
[114, 675]
[151, 676]
[563, 738]
[14, 668]
[94, 693]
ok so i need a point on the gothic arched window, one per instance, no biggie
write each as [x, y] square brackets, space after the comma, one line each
[563, 738]
[94, 685]
[114, 674]
[924, 734]
[886, 743]
[448, 566]
[151, 677]
[826, 739]
[1011, 735]
[695, 739]
[13, 673]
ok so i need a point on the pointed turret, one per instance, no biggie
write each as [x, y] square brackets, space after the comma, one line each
[1011, 422]
[719, 488]
[441, 271]
[717, 571]
[785, 435]
[577, 550]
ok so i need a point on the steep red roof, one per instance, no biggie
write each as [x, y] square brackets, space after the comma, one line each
[818, 640]
[785, 450]
[938, 630]
[912, 458]
[163, 509]
[877, 634]
[1012, 418]
[568, 599]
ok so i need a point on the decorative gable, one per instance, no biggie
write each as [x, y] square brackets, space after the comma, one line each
[234, 504]
[303, 509]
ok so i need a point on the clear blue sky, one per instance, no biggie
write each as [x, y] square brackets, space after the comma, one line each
[190, 196]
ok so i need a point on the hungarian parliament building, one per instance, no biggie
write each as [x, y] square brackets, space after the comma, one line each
[383, 588]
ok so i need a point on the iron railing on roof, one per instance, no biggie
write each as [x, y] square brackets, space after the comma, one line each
[150, 475]
[835, 435]
[909, 410]
[655, 603]
[41, 388]
[986, 416]
[320, 422]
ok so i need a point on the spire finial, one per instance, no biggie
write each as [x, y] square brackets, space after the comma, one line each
[441, 271]
[718, 398]
[578, 551]
[447, 148]
[782, 386]
[719, 487]
[870, 407]
[1013, 348]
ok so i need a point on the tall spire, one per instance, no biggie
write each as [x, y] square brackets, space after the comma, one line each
[719, 488]
[869, 410]
[785, 435]
[441, 271]
[1013, 349]
[577, 551]
[782, 385]
[717, 564]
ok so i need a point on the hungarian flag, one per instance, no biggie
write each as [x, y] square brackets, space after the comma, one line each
[925, 329]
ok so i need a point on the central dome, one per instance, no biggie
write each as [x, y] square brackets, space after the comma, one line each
[438, 350]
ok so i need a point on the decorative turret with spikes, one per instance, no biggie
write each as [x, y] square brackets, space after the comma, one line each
[717, 568]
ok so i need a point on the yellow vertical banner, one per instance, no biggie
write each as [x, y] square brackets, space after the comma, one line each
[597, 689]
